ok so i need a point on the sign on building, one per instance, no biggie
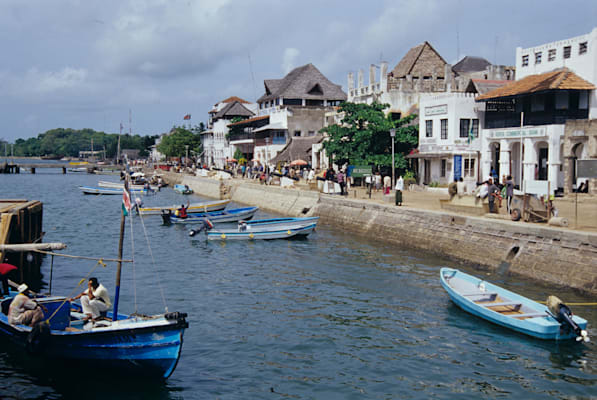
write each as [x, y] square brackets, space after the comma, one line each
[360, 171]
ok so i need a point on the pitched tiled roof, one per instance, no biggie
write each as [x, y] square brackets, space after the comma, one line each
[419, 61]
[234, 109]
[234, 98]
[304, 82]
[559, 79]
[471, 64]
[250, 120]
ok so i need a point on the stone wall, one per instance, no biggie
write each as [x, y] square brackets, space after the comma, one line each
[578, 133]
[557, 256]
[561, 257]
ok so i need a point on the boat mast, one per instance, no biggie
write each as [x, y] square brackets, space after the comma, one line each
[120, 242]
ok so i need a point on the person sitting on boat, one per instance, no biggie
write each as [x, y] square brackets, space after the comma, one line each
[23, 310]
[94, 300]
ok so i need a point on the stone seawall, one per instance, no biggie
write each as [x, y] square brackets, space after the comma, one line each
[552, 255]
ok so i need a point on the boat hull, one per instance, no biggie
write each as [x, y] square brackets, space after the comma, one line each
[540, 324]
[118, 185]
[110, 191]
[193, 207]
[150, 348]
[217, 216]
[267, 234]
[282, 223]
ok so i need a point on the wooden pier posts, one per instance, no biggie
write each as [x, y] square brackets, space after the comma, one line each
[21, 223]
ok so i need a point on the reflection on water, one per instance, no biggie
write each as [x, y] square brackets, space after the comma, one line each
[335, 316]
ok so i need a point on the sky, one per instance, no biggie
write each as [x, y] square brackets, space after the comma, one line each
[84, 64]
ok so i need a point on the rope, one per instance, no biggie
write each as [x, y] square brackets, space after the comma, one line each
[153, 265]
[99, 262]
[82, 257]
[570, 304]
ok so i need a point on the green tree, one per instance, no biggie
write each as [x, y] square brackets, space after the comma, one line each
[174, 144]
[363, 136]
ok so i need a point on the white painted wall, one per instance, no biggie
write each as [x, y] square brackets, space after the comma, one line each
[584, 65]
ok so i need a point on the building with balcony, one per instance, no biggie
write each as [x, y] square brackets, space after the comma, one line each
[524, 125]
[216, 147]
[293, 106]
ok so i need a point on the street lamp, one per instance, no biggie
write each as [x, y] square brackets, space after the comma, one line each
[393, 135]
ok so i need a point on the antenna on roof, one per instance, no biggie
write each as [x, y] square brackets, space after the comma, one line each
[457, 46]
[495, 50]
[252, 77]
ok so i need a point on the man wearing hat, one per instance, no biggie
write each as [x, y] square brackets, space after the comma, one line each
[23, 310]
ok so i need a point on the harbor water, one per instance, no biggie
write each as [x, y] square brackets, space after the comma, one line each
[334, 316]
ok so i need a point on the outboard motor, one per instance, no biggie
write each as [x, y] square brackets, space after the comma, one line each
[166, 217]
[563, 315]
[205, 225]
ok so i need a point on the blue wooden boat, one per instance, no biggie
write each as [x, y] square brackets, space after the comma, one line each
[112, 191]
[140, 345]
[507, 308]
[261, 233]
[137, 344]
[182, 189]
[231, 215]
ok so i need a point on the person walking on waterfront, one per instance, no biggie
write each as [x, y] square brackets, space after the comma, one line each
[399, 189]
[377, 181]
[94, 300]
[509, 192]
[23, 310]
[311, 175]
[492, 190]
[341, 178]
[460, 187]
[387, 184]
[453, 189]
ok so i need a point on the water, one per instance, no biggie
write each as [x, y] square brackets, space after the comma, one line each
[335, 316]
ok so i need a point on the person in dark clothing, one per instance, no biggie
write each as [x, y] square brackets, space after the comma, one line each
[492, 191]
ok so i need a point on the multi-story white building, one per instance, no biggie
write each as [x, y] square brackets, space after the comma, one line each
[449, 145]
[524, 125]
[216, 145]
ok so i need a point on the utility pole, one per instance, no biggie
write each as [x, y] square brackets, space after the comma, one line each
[393, 135]
[186, 160]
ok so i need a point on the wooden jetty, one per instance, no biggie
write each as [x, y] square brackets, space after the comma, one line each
[21, 223]
[15, 168]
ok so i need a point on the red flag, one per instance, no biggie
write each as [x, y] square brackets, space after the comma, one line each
[188, 116]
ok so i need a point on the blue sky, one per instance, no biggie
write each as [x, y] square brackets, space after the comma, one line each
[84, 64]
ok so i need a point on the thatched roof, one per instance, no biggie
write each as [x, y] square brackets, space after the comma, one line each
[304, 82]
[420, 61]
[471, 64]
[297, 148]
[559, 79]
[233, 109]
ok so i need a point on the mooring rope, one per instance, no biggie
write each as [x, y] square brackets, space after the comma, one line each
[155, 270]
[99, 262]
[82, 257]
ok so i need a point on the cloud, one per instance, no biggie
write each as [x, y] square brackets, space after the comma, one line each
[289, 59]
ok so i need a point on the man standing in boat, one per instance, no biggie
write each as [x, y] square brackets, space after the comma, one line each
[95, 299]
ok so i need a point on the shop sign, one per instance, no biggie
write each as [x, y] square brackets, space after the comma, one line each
[516, 133]
[436, 110]
[359, 171]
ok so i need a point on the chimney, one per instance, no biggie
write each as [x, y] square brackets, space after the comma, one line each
[350, 81]
[360, 79]
[383, 76]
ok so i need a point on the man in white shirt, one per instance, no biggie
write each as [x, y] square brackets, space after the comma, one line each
[95, 299]
[23, 310]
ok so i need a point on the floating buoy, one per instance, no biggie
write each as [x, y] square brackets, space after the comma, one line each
[223, 236]
[251, 235]
[288, 232]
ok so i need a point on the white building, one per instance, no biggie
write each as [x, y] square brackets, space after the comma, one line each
[216, 146]
[578, 54]
[449, 144]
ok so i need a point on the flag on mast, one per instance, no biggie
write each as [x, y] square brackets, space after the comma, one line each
[126, 198]
[470, 133]
[188, 116]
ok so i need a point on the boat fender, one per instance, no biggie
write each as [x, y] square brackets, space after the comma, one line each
[38, 338]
